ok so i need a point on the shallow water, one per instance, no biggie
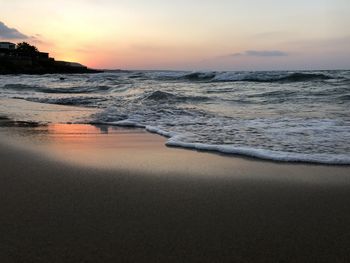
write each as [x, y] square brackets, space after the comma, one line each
[285, 116]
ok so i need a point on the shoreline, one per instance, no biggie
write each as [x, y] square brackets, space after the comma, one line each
[52, 139]
[127, 197]
[22, 111]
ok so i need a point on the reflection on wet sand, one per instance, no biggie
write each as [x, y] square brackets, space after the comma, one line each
[134, 149]
[102, 146]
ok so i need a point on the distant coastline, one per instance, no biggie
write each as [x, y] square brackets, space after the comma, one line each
[24, 58]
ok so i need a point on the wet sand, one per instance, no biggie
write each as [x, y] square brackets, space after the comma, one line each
[81, 193]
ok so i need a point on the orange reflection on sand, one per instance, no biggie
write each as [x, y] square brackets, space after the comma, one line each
[65, 129]
[75, 137]
[101, 146]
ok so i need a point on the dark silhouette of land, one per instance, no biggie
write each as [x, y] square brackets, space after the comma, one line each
[27, 59]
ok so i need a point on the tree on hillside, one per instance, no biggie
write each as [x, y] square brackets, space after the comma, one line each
[26, 49]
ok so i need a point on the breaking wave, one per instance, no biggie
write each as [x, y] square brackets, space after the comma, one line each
[243, 76]
[169, 97]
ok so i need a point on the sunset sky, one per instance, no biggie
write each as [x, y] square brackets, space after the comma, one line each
[185, 34]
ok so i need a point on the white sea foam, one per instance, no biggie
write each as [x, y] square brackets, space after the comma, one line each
[265, 154]
[125, 123]
[177, 140]
[161, 132]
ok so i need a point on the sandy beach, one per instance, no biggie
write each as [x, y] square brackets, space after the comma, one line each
[66, 197]
[174, 131]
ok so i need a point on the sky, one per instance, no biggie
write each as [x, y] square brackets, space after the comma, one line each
[185, 34]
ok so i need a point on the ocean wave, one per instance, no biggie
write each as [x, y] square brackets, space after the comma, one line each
[20, 87]
[137, 75]
[244, 76]
[160, 95]
[344, 98]
[300, 77]
[200, 76]
[70, 101]
[272, 94]
[271, 77]
[167, 96]
[68, 90]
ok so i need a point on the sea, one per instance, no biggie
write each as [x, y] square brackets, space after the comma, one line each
[287, 116]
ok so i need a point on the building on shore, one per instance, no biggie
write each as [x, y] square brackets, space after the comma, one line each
[7, 45]
[9, 49]
[14, 59]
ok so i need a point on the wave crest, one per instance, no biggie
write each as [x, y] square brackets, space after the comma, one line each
[244, 76]
[168, 97]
